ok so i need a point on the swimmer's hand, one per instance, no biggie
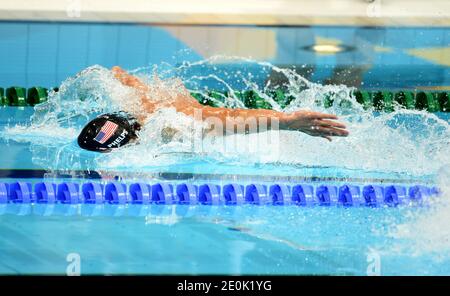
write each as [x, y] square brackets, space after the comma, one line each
[314, 124]
[127, 79]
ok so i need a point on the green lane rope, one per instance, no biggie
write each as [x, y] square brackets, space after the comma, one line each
[432, 101]
[364, 98]
[16, 96]
[427, 101]
[405, 98]
[36, 95]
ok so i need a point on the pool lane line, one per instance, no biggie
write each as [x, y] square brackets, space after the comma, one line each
[111, 175]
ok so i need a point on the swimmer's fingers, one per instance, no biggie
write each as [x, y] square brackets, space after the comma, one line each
[329, 123]
[332, 131]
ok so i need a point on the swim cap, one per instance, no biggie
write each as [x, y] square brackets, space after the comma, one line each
[108, 131]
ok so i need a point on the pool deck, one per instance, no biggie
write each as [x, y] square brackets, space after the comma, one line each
[234, 12]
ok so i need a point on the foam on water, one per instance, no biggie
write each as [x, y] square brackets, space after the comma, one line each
[427, 231]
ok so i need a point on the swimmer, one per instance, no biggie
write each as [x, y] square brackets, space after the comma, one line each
[110, 131]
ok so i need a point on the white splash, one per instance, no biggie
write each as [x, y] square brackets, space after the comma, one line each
[404, 141]
[427, 231]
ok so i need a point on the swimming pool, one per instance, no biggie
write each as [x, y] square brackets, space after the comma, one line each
[402, 148]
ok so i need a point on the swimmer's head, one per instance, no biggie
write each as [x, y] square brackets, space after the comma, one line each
[108, 131]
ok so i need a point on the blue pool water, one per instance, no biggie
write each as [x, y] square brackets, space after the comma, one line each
[245, 240]
[403, 147]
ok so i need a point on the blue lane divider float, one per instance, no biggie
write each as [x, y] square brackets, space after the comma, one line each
[93, 193]
[141, 193]
[349, 195]
[187, 194]
[327, 195]
[45, 192]
[162, 193]
[305, 195]
[234, 194]
[116, 193]
[68, 193]
[373, 195]
[256, 194]
[209, 194]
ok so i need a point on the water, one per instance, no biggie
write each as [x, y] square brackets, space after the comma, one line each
[411, 146]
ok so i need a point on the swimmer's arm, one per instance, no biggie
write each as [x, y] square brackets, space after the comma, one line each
[256, 120]
[309, 122]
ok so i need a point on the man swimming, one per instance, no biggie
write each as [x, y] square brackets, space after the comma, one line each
[110, 131]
